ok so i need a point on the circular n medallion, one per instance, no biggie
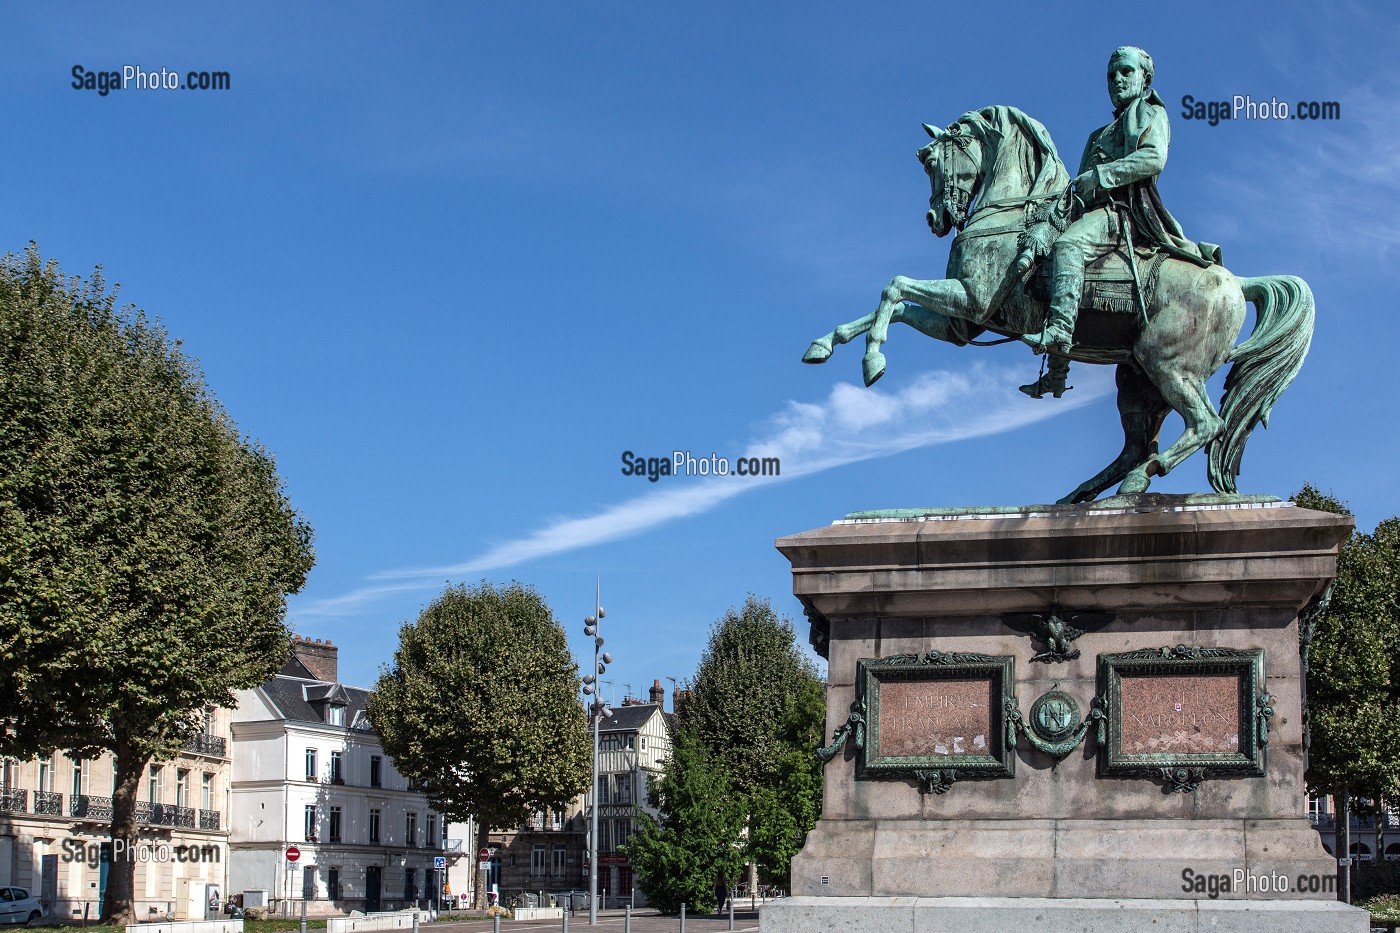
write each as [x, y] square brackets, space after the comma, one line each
[1054, 717]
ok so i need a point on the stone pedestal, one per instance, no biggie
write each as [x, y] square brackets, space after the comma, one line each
[906, 841]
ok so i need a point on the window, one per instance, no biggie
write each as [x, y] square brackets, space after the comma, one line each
[430, 834]
[182, 787]
[333, 884]
[410, 829]
[206, 791]
[622, 831]
[631, 742]
[374, 825]
[444, 832]
[337, 760]
[375, 769]
[309, 826]
[603, 836]
[153, 785]
[335, 715]
[556, 820]
[622, 789]
[557, 861]
[46, 776]
[537, 861]
[410, 884]
[77, 779]
[308, 883]
[312, 772]
[335, 824]
[644, 743]
[602, 796]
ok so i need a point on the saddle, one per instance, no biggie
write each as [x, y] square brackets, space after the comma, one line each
[1108, 281]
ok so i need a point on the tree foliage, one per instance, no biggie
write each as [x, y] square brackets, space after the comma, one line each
[679, 859]
[753, 714]
[480, 707]
[146, 548]
[1353, 679]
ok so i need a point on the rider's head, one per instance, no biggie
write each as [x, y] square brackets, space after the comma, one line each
[1129, 75]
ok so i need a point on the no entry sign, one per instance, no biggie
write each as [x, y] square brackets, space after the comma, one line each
[293, 853]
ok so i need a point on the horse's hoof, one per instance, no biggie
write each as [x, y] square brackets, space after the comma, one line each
[1134, 484]
[874, 367]
[818, 352]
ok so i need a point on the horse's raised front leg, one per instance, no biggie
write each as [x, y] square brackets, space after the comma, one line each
[821, 349]
[1186, 394]
[1141, 409]
[944, 297]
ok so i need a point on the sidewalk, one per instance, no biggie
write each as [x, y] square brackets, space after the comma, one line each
[611, 921]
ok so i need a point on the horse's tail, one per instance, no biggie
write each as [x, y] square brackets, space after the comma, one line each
[1265, 364]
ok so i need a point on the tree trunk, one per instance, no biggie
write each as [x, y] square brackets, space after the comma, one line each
[118, 905]
[1341, 805]
[483, 837]
[1380, 830]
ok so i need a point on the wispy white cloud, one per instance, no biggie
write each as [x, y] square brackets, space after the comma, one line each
[851, 424]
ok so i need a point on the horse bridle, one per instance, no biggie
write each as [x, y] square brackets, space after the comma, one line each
[956, 199]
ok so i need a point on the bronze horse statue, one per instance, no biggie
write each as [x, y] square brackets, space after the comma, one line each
[993, 173]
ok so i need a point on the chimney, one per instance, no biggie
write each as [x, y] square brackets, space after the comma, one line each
[318, 656]
[657, 694]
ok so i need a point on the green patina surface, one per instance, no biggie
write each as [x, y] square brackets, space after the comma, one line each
[1162, 309]
[1136, 501]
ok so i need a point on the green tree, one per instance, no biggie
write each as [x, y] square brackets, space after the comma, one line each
[1353, 673]
[146, 547]
[756, 706]
[678, 859]
[480, 708]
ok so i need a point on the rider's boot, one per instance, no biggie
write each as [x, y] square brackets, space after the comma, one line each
[1066, 287]
[1053, 380]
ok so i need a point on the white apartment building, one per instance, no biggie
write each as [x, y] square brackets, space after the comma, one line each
[309, 772]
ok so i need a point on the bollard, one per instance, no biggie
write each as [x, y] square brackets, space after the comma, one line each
[565, 915]
[731, 913]
[303, 918]
[627, 919]
[496, 923]
[682, 916]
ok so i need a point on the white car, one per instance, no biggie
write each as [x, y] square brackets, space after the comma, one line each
[17, 906]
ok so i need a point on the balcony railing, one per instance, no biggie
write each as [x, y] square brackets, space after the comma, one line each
[48, 803]
[88, 807]
[203, 744]
[164, 814]
[13, 800]
[208, 819]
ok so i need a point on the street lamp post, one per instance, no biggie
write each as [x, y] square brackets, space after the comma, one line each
[599, 711]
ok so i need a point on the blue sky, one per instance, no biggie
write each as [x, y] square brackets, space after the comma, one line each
[449, 262]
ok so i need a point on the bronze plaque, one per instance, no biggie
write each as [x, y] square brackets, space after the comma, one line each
[1181, 713]
[935, 718]
[938, 717]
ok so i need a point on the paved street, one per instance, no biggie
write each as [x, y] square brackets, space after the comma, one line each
[612, 921]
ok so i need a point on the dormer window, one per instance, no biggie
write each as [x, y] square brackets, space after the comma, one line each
[335, 714]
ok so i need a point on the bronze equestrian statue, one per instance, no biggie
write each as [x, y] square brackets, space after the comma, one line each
[1122, 285]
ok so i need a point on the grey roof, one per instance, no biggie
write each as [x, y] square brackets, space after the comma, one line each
[292, 697]
[629, 718]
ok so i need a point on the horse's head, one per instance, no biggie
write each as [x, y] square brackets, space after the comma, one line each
[954, 165]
